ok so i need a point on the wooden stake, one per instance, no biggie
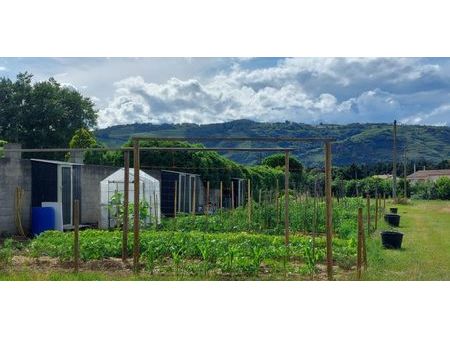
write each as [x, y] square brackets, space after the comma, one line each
[249, 202]
[259, 197]
[207, 198]
[368, 214]
[232, 195]
[329, 210]
[136, 244]
[155, 208]
[126, 197]
[286, 197]
[360, 243]
[376, 211]
[175, 199]
[221, 196]
[194, 198]
[384, 202]
[277, 203]
[76, 242]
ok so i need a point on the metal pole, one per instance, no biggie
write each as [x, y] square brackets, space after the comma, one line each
[136, 250]
[76, 241]
[394, 164]
[329, 210]
[126, 196]
[194, 197]
[286, 197]
[221, 192]
[175, 199]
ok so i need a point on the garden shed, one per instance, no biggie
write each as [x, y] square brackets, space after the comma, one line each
[56, 181]
[111, 197]
[186, 183]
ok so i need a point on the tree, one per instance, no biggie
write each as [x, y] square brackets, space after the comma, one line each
[42, 114]
[82, 138]
[277, 161]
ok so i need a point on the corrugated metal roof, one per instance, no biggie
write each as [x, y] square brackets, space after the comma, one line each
[55, 162]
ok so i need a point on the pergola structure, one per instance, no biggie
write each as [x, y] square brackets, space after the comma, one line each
[328, 197]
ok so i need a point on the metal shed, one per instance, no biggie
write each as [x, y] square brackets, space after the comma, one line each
[56, 181]
[185, 192]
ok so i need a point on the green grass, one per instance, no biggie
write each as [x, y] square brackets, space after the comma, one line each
[425, 253]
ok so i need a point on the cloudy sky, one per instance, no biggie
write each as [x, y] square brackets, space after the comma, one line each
[208, 90]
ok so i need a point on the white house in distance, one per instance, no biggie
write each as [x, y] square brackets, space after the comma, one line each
[428, 175]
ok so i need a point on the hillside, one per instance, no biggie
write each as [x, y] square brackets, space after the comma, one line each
[359, 143]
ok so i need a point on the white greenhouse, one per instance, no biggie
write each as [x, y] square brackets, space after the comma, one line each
[112, 192]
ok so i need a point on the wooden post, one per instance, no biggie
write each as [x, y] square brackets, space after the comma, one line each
[360, 243]
[286, 197]
[175, 199]
[126, 197]
[314, 224]
[364, 251]
[76, 242]
[259, 197]
[329, 210]
[194, 197]
[207, 198]
[368, 214]
[376, 211]
[232, 195]
[155, 208]
[221, 196]
[136, 155]
[277, 205]
[249, 203]
[384, 202]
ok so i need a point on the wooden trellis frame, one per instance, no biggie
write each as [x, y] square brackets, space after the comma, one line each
[137, 149]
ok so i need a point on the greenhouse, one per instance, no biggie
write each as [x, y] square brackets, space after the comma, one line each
[112, 193]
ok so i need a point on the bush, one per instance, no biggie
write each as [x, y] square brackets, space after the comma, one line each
[6, 254]
[443, 188]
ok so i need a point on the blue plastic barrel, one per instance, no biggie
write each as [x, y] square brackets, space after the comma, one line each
[42, 219]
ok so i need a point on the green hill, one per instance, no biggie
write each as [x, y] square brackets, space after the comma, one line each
[359, 143]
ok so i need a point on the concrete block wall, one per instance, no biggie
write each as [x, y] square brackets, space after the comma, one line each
[14, 173]
[91, 176]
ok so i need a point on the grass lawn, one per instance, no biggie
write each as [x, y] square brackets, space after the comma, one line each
[425, 253]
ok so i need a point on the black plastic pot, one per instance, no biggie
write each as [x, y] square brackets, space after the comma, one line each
[393, 210]
[392, 219]
[391, 239]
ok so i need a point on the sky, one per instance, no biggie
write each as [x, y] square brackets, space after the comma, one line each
[211, 90]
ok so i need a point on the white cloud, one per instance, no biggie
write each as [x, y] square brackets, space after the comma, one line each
[309, 90]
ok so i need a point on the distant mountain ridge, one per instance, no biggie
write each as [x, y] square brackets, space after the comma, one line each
[355, 143]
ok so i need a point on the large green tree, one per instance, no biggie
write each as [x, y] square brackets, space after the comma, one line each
[42, 114]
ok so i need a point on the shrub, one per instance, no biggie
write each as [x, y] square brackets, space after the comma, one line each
[443, 188]
[6, 254]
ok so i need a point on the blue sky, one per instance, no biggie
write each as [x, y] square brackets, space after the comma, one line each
[209, 90]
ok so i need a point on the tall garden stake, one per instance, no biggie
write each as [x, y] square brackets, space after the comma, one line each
[136, 244]
[286, 197]
[329, 210]
[76, 242]
[360, 243]
[368, 214]
[126, 197]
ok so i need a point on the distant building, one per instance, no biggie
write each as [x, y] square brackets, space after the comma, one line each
[428, 175]
[383, 177]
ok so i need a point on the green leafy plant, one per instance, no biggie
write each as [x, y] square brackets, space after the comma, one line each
[6, 253]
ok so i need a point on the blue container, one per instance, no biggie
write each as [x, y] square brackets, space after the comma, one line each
[42, 219]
